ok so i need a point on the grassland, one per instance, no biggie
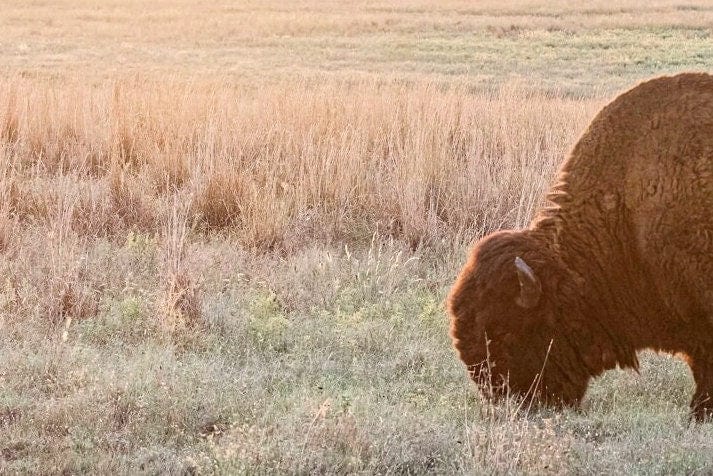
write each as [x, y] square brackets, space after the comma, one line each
[226, 232]
[555, 45]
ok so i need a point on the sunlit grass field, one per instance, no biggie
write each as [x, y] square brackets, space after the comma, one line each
[227, 230]
[555, 46]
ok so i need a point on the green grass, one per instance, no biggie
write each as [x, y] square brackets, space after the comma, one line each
[582, 63]
[352, 371]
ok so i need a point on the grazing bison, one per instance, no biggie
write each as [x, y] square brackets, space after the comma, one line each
[620, 260]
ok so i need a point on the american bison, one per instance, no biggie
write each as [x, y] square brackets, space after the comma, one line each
[620, 259]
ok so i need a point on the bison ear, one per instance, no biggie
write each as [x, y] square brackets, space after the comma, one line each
[530, 288]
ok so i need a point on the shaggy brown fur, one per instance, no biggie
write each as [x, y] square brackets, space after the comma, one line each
[621, 260]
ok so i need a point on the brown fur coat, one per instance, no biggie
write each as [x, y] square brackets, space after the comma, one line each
[620, 260]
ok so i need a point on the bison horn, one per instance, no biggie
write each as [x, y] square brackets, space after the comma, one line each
[530, 288]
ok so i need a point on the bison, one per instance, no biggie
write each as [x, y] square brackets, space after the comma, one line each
[620, 258]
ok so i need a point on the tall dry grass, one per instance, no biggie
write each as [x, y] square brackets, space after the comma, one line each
[180, 308]
[282, 166]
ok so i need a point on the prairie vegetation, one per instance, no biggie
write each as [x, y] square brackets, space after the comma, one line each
[226, 232]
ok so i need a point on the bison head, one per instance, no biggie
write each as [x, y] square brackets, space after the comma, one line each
[506, 321]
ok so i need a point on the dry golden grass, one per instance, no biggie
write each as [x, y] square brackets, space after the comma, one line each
[180, 308]
[283, 166]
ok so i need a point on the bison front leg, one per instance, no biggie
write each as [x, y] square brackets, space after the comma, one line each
[702, 402]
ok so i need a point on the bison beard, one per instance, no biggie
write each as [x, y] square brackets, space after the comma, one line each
[620, 260]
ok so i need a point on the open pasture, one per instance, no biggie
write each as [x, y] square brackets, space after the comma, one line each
[227, 230]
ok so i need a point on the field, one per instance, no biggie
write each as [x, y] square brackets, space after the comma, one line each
[227, 231]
